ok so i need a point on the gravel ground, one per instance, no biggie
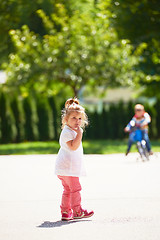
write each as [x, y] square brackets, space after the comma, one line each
[123, 192]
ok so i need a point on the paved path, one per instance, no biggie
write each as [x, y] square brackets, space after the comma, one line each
[124, 194]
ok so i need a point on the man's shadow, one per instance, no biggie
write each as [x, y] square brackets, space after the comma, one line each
[48, 224]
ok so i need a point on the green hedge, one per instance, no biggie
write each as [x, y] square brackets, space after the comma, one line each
[110, 122]
[38, 118]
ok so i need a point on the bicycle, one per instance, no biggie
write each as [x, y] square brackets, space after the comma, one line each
[141, 144]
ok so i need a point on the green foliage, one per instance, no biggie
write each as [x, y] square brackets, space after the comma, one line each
[90, 147]
[110, 123]
[17, 108]
[7, 122]
[61, 46]
[31, 129]
[138, 21]
[45, 120]
[157, 106]
[79, 48]
[16, 13]
[38, 118]
[55, 116]
[142, 15]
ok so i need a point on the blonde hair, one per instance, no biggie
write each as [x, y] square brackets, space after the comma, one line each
[72, 105]
[139, 106]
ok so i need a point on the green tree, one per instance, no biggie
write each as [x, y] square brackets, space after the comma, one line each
[16, 13]
[80, 48]
[138, 21]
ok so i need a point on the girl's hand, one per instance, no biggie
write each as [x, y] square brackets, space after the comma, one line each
[79, 130]
[75, 143]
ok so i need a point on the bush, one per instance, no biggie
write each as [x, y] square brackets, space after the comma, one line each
[39, 118]
[56, 116]
[8, 128]
[18, 112]
[31, 119]
[45, 119]
[157, 118]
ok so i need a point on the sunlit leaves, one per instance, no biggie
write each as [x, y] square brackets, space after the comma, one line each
[79, 48]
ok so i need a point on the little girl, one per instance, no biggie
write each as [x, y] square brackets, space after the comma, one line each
[69, 162]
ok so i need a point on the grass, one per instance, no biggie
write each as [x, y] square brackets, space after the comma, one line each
[112, 146]
[90, 147]
[29, 148]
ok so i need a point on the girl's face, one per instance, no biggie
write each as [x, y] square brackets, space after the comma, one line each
[74, 120]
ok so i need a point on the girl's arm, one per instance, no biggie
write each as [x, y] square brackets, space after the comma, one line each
[75, 143]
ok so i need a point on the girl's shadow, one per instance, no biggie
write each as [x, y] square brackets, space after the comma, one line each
[48, 224]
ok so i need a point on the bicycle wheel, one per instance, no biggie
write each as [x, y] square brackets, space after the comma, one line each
[145, 150]
[140, 150]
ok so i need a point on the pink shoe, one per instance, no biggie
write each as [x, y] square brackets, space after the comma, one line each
[83, 214]
[78, 215]
[87, 214]
[67, 216]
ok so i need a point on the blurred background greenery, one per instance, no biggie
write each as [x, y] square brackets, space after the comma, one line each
[51, 50]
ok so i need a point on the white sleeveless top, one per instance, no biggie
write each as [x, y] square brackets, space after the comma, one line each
[69, 162]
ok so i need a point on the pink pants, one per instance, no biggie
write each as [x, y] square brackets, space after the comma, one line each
[71, 197]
